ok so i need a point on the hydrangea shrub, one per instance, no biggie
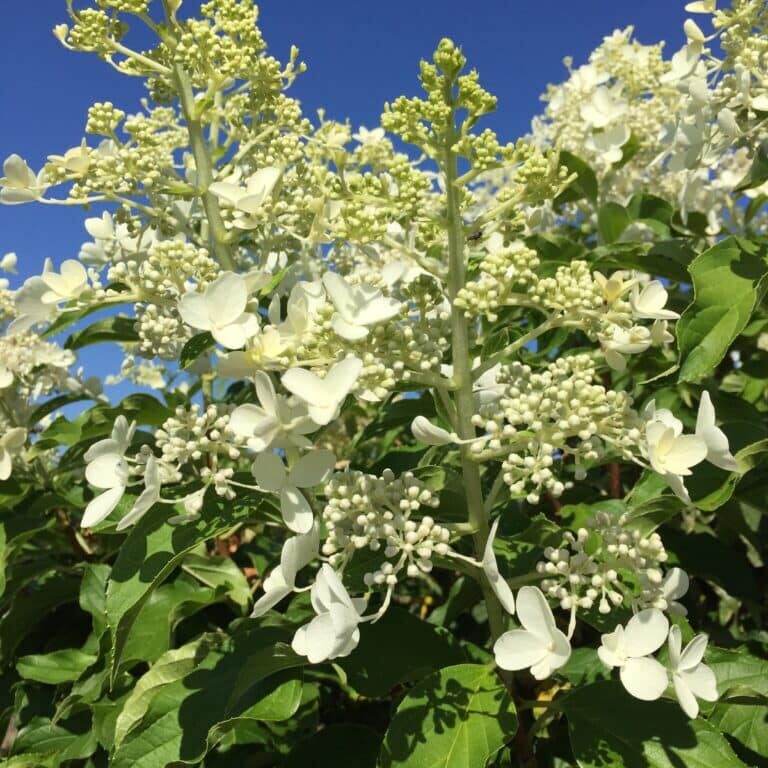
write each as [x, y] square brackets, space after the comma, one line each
[442, 451]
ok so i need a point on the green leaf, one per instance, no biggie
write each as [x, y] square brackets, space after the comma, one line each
[70, 740]
[153, 549]
[219, 573]
[115, 329]
[457, 718]
[612, 220]
[383, 660]
[196, 346]
[583, 186]
[608, 727]
[233, 679]
[738, 669]
[746, 723]
[322, 749]
[57, 667]
[726, 281]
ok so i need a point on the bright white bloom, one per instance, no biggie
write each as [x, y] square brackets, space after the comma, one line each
[540, 645]
[495, 579]
[702, 6]
[147, 498]
[671, 453]
[608, 143]
[718, 450]
[65, 285]
[6, 377]
[221, 310]
[603, 108]
[357, 307]
[279, 422]
[430, 434]
[8, 263]
[619, 341]
[298, 551]
[11, 444]
[30, 305]
[674, 586]
[649, 302]
[629, 648]
[20, 184]
[334, 631]
[107, 468]
[247, 200]
[324, 396]
[691, 677]
[310, 470]
[365, 136]
[683, 63]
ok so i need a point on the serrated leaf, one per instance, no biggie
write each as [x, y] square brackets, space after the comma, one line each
[608, 727]
[56, 667]
[726, 279]
[457, 718]
[153, 549]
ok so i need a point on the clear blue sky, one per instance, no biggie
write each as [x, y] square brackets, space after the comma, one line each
[359, 54]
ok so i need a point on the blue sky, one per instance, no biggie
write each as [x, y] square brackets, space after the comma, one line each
[359, 54]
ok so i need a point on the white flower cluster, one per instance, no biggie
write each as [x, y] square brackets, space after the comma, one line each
[602, 563]
[541, 416]
[366, 511]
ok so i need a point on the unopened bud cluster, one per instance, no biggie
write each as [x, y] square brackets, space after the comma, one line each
[602, 563]
[365, 511]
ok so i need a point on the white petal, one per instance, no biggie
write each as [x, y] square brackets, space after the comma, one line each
[693, 654]
[269, 471]
[706, 414]
[535, 614]
[685, 696]
[234, 335]
[701, 681]
[347, 330]
[6, 464]
[269, 600]
[645, 632]
[556, 657]
[675, 584]
[107, 471]
[340, 293]
[675, 644]
[686, 452]
[342, 377]
[305, 385]
[312, 468]
[226, 298]
[299, 551]
[316, 640]
[297, 514]
[101, 507]
[518, 649]
[495, 579]
[430, 434]
[265, 391]
[644, 678]
[248, 419]
[194, 311]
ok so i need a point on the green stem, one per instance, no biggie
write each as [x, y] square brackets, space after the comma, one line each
[462, 367]
[203, 163]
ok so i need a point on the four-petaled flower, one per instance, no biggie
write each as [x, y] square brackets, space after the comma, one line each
[221, 309]
[540, 645]
[279, 422]
[629, 648]
[324, 396]
[334, 631]
[691, 678]
[107, 468]
[310, 470]
[20, 184]
[357, 307]
[297, 552]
